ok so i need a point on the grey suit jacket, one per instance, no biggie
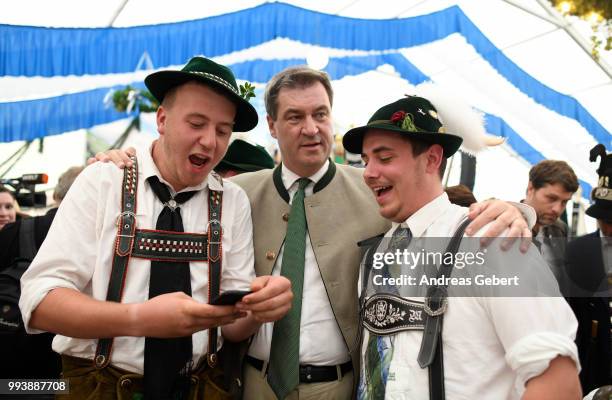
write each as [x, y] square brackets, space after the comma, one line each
[339, 215]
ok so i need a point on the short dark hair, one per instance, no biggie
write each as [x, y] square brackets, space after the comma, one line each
[460, 195]
[65, 181]
[421, 146]
[551, 172]
[291, 78]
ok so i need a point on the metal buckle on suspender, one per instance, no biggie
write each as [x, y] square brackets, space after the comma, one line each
[208, 228]
[118, 222]
[129, 213]
[100, 361]
[213, 221]
[441, 297]
[211, 360]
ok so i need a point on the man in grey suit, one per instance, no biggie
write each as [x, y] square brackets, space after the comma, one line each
[313, 353]
[552, 184]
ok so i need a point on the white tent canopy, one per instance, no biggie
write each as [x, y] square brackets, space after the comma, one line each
[538, 47]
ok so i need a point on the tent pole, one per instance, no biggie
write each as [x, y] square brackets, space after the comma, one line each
[556, 19]
[574, 34]
[117, 12]
[552, 20]
[19, 153]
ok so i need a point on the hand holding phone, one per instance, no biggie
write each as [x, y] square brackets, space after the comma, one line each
[229, 297]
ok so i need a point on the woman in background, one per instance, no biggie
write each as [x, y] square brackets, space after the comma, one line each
[8, 212]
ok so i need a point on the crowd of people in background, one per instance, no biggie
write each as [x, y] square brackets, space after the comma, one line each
[333, 198]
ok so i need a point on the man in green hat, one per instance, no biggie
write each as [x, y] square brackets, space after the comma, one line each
[133, 259]
[242, 157]
[420, 338]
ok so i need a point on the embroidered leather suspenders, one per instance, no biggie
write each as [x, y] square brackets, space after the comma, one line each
[162, 245]
[430, 353]
[415, 316]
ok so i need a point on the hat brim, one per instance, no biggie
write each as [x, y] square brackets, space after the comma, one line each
[353, 139]
[159, 83]
[242, 166]
[598, 211]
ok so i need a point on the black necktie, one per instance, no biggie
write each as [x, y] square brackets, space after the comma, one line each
[167, 362]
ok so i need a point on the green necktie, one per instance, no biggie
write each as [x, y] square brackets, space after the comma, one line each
[379, 350]
[284, 363]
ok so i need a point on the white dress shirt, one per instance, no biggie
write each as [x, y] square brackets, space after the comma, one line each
[321, 342]
[492, 345]
[78, 251]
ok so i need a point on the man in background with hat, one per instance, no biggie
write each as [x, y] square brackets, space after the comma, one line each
[473, 346]
[242, 157]
[589, 286]
[155, 312]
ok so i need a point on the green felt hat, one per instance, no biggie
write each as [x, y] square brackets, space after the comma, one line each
[411, 116]
[210, 73]
[245, 157]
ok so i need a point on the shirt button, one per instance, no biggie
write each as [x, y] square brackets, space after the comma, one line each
[270, 255]
[286, 217]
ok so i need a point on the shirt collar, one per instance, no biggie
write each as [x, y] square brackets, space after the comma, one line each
[148, 168]
[605, 240]
[425, 216]
[289, 177]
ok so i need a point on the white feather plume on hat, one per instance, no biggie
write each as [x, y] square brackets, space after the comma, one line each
[459, 118]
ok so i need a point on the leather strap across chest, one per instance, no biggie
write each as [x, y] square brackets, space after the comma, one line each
[431, 352]
[170, 246]
[162, 245]
[384, 314]
[388, 314]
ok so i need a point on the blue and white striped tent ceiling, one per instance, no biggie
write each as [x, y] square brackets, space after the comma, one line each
[531, 80]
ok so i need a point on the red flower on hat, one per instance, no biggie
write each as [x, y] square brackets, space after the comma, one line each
[398, 116]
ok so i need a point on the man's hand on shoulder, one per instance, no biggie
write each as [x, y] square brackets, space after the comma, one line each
[120, 157]
[502, 216]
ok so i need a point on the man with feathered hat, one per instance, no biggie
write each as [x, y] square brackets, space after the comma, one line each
[419, 341]
[589, 270]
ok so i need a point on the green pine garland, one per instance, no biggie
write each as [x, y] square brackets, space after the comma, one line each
[145, 101]
[582, 9]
